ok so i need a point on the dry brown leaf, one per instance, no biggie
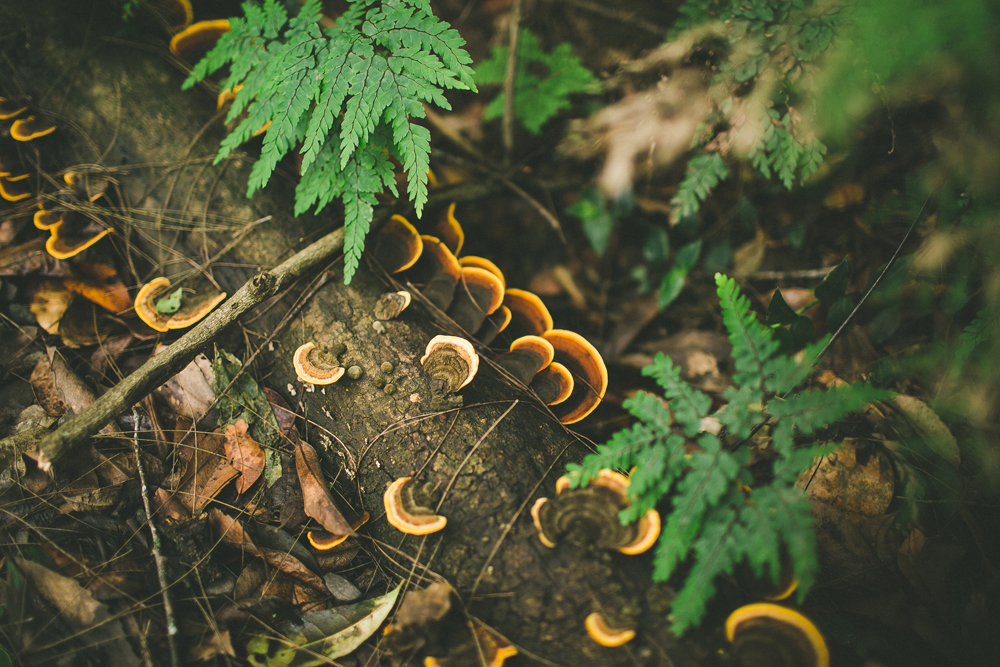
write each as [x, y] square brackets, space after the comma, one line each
[231, 531]
[189, 393]
[44, 387]
[48, 303]
[71, 389]
[216, 643]
[208, 472]
[165, 504]
[84, 324]
[30, 257]
[282, 413]
[246, 454]
[748, 257]
[316, 497]
[860, 487]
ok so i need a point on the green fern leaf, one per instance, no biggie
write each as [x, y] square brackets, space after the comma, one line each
[810, 410]
[688, 404]
[753, 344]
[704, 172]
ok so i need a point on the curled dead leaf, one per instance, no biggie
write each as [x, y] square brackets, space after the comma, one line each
[316, 497]
[246, 454]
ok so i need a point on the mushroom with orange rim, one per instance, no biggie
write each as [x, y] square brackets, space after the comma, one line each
[605, 635]
[783, 636]
[451, 362]
[478, 294]
[590, 375]
[527, 356]
[72, 234]
[450, 232]
[529, 316]
[493, 325]
[198, 34]
[324, 541]
[553, 384]
[316, 366]
[10, 109]
[398, 245]
[436, 273]
[483, 263]
[14, 188]
[193, 308]
[30, 128]
[589, 516]
[407, 508]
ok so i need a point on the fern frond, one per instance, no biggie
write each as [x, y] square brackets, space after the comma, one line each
[651, 411]
[688, 404]
[786, 511]
[704, 172]
[810, 410]
[617, 453]
[753, 344]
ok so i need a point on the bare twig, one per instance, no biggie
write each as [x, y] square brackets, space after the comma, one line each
[161, 564]
[508, 84]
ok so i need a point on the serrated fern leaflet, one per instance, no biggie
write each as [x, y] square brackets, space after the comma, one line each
[340, 97]
[717, 513]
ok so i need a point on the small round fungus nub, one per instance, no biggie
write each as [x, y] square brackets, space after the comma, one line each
[451, 362]
[407, 509]
[783, 636]
[354, 372]
[599, 630]
[315, 366]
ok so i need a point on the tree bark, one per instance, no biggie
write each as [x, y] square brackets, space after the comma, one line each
[118, 103]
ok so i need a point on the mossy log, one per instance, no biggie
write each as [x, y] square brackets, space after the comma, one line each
[117, 99]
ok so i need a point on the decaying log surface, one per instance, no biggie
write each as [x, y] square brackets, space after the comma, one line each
[119, 104]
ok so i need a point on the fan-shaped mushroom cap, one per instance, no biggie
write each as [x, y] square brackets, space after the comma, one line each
[46, 219]
[26, 129]
[577, 514]
[479, 293]
[227, 96]
[529, 316]
[14, 188]
[553, 384]
[450, 231]
[315, 366]
[590, 375]
[407, 509]
[324, 541]
[784, 635]
[436, 273]
[391, 304]
[10, 109]
[73, 234]
[192, 309]
[450, 361]
[483, 263]
[493, 325]
[599, 630]
[196, 34]
[527, 356]
[398, 246]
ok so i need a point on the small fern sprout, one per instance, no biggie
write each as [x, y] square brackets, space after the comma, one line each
[718, 513]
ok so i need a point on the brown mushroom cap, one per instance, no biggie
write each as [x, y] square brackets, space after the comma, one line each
[450, 361]
[406, 509]
[227, 96]
[14, 188]
[493, 325]
[783, 634]
[198, 34]
[398, 246]
[590, 375]
[436, 272]
[599, 630]
[450, 231]
[315, 366]
[193, 307]
[46, 219]
[529, 316]
[73, 234]
[479, 293]
[26, 129]
[10, 109]
[553, 384]
[322, 540]
[536, 519]
[527, 356]
[483, 263]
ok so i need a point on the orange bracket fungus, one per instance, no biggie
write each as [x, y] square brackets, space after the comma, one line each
[451, 362]
[590, 375]
[765, 633]
[472, 261]
[599, 630]
[202, 33]
[529, 316]
[450, 231]
[391, 304]
[14, 188]
[407, 508]
[72, 234]
[527, 356]
[479, 293]
[553, 384]
[436, 272]
[10, 109]
[398, 246]
[493, 325]
[32, 127]
[314, 366]
[192, 308]
[589, 516]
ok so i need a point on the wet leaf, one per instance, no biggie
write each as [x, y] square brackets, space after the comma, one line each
[171, 303]
[316, 496]
[779, 312]
[246, 454]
